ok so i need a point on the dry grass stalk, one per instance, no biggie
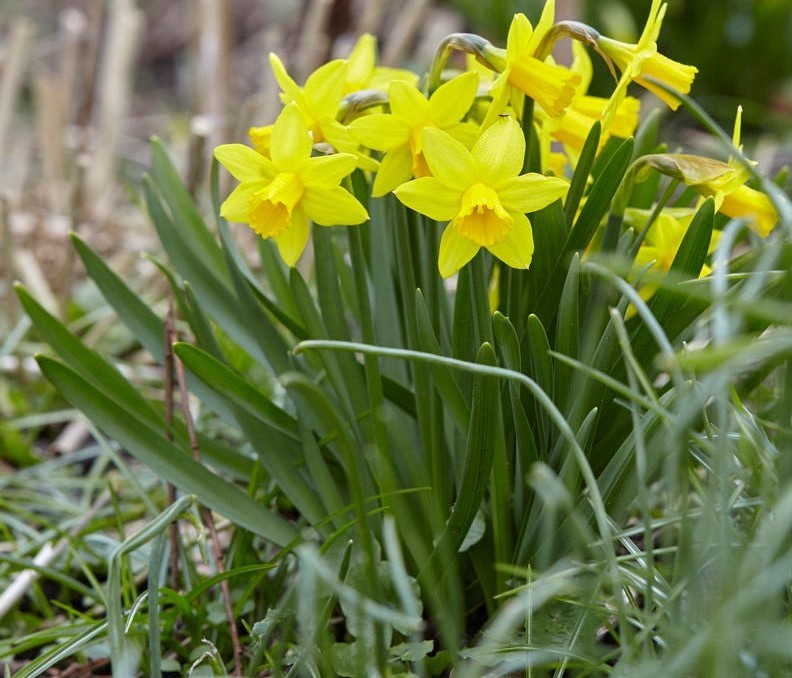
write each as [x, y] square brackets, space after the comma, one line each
[50, 132]
[404, 31]
[213, 92]
[113, 101]
[314, 43]
[14, 63]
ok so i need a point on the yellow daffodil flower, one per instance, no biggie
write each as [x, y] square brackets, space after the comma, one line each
[278, 195]
[398, 133]
[482, 195]
[573, 126]
[550, 85]
[734, 199]
[661, 244]
[363, 72]
[318, 101]
[641, 60]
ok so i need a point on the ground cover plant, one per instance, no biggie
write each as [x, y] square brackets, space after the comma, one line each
[502, 390]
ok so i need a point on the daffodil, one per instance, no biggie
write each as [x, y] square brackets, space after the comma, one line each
[363, 72]
[278, 195]
[641, 60]
[482, 195]
[318, 102]
[661, 244]
[732, 197]
[398, 133]
[550, 85]
[573, 126]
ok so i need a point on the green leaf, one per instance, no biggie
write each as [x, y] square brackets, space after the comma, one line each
[212, 286]
[597, 205]
[444, 379]
[509, 347]
[582, 170]
[147, 327]
[86, 362]
[154, 450]
[198, 241]
[235, 388]
[542, 371]
[479, 453]
[567, 337]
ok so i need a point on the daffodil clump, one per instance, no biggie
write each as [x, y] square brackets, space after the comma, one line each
[502, 388]
[454, 148]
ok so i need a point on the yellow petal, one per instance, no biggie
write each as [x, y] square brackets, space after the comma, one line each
[291, 144]
[754, 205]
[380, 131]
[395, 168]
[333, 206]
[290, 88]
[500, 149]
[448, 160]
[260, 138]
[243, 162]
[465, 133]
[327, 170]
[325, 87]
[361, 62]
[452, 100]
[407, 102]
[455, 251]
[531, 192]
[236, 206]
[544, 24]
[516, 249]
[428, 196]
[518, 39]
[291, 242]
[500, 93]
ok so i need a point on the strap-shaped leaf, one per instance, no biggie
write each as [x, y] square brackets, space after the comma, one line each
[147, 327]
[234, 387]
[444, 379]
[166, 459]
[485, 420]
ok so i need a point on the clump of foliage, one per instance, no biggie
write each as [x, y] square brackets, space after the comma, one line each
[524, 407]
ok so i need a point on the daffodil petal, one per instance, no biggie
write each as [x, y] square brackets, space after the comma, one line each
[407, 102]
[325, 87]
[465, 133]
[448, 159]
[395, 168]
[455, 251]
[327, 171]
[500, 92]
[332, 206]
[292, 241]
[361, 61]
[290, 144]
[244, 163]
[519, 37]
[236, 206]
[453, 99]
[531, 192]
[499, 151]
[516, 249]
[287, 84]
[543, 25]
[380, 131]
[428, 196]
